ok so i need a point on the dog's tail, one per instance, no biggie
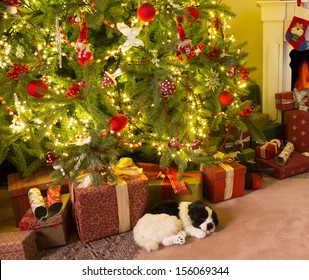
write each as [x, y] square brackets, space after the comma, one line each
[148, 244]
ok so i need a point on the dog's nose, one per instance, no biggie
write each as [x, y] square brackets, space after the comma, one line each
[210, 226]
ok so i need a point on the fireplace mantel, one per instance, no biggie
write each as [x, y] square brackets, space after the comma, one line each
[276, 17]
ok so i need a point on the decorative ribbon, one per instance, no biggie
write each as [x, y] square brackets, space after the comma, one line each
[229, 180]
[298, 3]
[131, 33]
[241, 141]
[171, 179]
[299, 97]
[275, 142]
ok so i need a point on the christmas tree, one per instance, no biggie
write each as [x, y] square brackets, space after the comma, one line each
[84, 83]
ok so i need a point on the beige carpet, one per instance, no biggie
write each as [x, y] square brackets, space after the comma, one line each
[270, 223]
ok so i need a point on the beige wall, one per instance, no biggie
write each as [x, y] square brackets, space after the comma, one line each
[247, 27]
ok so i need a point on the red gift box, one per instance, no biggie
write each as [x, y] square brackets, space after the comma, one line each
[19, 245]
[223, 182]
[269, 149]
[297, 130]
[53, 231]
[285, 101]
[296, 164]
[109, 209]
[18, 188]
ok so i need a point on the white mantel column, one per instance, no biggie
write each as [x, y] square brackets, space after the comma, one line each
[273, 14]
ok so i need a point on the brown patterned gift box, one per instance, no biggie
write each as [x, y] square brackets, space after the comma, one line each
[297, 129]
[191, 179]
[238, 139]
[109, 209]
[18, 188]
[224, 181]
[296, 164]
[19, 245]
[53, 231]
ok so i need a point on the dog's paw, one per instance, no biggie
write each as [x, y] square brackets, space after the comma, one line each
[199, 233]
[181, 238]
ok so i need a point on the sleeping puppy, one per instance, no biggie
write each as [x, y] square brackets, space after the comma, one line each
[169, 222]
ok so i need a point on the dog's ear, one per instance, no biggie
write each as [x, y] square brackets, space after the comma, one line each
[215, 217]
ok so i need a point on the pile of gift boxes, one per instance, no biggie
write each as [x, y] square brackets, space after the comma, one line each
[97, 212]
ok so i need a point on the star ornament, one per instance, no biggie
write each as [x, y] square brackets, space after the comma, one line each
[131, 34]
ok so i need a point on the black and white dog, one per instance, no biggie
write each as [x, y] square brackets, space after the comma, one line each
[170, 222]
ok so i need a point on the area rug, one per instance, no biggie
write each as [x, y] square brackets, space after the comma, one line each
[115, 247]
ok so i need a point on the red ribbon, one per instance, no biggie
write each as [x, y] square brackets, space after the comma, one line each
[298, 2]
[171, 179]
[170, 184]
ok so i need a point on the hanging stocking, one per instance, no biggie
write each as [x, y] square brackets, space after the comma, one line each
[295, 34]
[37, 203]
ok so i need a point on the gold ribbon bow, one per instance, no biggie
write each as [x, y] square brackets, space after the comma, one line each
[124, 168]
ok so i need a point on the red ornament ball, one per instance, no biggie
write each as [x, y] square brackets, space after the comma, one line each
[167, 87]
[118, 122]
[195, 144]
[34, 88]
[194, 14]
[226, 98]
[50, 158]
[146, 12]
[173, 143]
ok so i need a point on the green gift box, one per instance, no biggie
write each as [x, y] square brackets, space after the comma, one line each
[158, 190]
[249, 153]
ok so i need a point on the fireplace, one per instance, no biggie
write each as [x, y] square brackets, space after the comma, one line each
[276, 17]
[299, 63]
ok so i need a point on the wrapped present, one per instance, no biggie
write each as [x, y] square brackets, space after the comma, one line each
[253, 181]
[159, 190]
[18, 188]
[224, 181]
[249, 153]
[52, 231]
[110, 208]
[238, 140]
[291, 100]
[269, 149]
[295, 164]
[297, 128]
[19, 245]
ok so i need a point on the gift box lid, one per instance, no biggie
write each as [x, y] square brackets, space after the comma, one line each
[15, 241]
[29, 222]
[220, 172]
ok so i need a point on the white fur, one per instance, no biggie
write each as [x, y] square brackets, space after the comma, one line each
[153, 230]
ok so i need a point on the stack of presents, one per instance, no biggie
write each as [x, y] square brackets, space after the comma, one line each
[46, 216]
